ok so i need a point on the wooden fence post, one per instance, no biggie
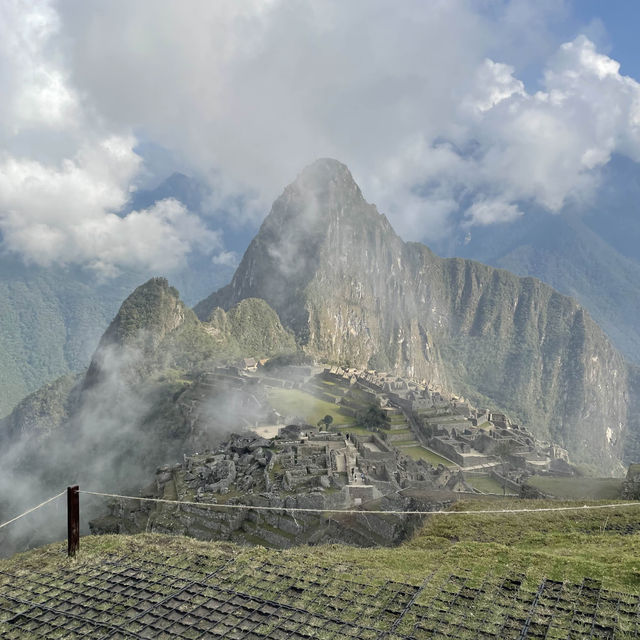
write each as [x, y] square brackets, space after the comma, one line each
[73, 520]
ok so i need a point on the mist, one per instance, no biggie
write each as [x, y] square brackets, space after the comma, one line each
[118, 423]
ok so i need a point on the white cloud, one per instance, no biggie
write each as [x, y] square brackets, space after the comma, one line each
[35, 92]
[65, 172]
[424, 104]
[226, 259]
[255, 91]
[493, 83]
[484, 212]
[66, 214]
[508, 147]
[94, 181]
[547, 147]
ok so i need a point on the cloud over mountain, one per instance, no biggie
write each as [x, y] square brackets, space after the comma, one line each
[65, 173]
[423, 100]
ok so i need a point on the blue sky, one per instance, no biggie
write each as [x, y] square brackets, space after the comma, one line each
[613, 24]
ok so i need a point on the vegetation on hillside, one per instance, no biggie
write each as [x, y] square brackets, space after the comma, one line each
[50, 323]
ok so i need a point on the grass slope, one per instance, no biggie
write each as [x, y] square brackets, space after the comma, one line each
[467, 573]
[292, 402]
[486, 484]
[420, 453]
[569, 545]
[575, 488]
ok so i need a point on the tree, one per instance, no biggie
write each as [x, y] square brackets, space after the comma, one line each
[373, 418]
[326, 421]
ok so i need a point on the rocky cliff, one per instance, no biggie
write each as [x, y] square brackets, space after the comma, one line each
[354, 293]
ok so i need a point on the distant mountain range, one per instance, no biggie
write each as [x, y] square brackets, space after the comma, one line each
[591, 253]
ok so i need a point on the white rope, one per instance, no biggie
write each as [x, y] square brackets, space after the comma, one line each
[362, 511]
[22, 515]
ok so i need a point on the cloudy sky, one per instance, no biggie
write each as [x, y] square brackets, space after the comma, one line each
[444, 110]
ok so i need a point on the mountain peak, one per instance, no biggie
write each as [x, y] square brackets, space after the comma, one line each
[325, 170]
[353, 292]
[320, 218]
[154, 306]
[328, 181]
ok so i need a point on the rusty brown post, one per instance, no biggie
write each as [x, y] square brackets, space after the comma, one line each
[73, 520]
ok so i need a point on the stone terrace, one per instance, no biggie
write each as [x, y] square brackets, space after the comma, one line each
[224, 594]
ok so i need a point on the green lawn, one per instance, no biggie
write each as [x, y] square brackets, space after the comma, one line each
[289, 402]
[486, 484]
[420, 453]
[590, 488]
[399, 432]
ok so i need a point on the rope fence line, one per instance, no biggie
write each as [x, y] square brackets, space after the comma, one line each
[361, 511]
[28, 511]
[73, 510]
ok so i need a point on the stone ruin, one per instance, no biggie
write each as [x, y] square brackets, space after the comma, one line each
[300, 468]
[631, 484]
[450, 426]
[309, 469]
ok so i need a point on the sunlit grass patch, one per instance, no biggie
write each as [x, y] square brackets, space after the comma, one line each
[293, 402]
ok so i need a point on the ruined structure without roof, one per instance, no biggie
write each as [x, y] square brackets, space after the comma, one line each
[301, 468]
[304, 467]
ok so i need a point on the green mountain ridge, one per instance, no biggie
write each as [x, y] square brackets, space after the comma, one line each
[563, 251]
[50, 323]
[354, 293]
[153, 333]
[144, 399]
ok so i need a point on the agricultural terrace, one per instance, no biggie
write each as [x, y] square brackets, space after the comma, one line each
[533, 575]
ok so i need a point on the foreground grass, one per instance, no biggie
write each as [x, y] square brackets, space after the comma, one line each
[600, 544]
[566, 546]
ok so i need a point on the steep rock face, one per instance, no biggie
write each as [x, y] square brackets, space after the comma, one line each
[564, 252]
[353, 292]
